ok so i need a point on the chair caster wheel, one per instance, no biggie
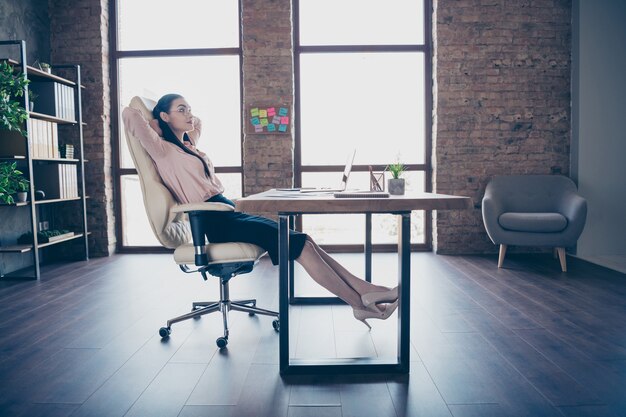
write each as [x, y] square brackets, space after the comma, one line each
[164, 332]
[221, 342]
[251, 314]
[276, 325]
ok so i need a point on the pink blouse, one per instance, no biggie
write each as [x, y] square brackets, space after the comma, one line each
[183, 174]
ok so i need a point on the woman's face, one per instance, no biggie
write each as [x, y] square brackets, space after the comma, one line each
[179, 116]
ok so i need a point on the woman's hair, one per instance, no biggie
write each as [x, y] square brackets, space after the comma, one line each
[163, 105]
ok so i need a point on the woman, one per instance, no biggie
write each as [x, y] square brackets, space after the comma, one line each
[190, 176]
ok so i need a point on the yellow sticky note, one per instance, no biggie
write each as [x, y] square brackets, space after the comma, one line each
[262, 113]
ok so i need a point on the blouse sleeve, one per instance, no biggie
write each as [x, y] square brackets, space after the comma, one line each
[139, 128]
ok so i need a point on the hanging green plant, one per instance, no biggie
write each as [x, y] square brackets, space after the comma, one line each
[12, 85]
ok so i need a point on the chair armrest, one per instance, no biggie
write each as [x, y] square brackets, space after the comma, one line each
[573, 207]
[491, 211]
[197, 220]
[186, 208]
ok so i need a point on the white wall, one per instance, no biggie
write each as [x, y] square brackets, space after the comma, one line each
[599, 123]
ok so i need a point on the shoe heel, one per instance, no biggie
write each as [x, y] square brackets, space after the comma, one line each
[365, 323]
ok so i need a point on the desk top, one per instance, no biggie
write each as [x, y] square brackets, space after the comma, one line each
[273, 201]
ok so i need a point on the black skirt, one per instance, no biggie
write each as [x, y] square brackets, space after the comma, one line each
[230, 226]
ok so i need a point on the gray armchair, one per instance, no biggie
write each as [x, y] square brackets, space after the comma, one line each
[533, 210]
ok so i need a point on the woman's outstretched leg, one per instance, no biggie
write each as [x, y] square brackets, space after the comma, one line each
[357, 284]
[327, 277]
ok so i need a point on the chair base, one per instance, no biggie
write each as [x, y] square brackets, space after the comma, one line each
[225, 305]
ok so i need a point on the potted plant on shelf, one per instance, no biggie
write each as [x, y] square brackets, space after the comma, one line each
[395, 185]
[12, 85]
[31, 99]
[45, 67]
[12, 182]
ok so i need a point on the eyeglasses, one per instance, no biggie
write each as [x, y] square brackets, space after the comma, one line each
[183, 110]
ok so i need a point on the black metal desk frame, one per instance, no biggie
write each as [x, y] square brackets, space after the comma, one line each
[286, 295]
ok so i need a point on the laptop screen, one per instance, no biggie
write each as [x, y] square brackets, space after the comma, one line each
[347, 169]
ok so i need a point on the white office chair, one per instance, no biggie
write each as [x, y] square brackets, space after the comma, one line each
[174, 225]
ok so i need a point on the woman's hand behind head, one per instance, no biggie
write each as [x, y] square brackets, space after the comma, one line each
[154, 124]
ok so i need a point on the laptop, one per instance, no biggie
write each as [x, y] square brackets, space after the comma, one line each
[344, 178]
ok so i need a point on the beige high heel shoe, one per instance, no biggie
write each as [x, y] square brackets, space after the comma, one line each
[362, 315]
[380, 297]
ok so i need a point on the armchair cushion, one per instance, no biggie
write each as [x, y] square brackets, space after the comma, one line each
[533, 222]
[220, 253]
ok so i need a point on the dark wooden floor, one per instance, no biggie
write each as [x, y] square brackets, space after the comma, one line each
[527, 340]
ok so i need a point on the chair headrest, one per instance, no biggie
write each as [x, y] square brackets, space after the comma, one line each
[144, 105]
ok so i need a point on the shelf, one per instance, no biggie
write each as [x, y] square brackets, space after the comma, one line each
[56, 200]
[33, 72]
[18, 204]
[11, 158]
[28, 248]
[15, 248]
[65, 239]
[49, 118]
[59, 160]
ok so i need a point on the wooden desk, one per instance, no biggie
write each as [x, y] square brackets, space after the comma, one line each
[287, 205]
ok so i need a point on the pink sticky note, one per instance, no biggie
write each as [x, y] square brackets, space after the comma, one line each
[271, 112]
[284, 120]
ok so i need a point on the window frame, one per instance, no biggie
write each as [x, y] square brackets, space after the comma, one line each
[426, 167]
[118, 172]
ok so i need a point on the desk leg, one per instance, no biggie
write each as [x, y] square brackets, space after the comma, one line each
[292, 285]
[368, 247]
[283, 290]
[404, 281]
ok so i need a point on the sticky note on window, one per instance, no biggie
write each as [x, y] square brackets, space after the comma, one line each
[264, 122]
[282, 128]
[258, 129]
[271, 127]
[262, 113]
[276, 120]
[255, 121]
[254, 112]
[284, 120]
[282, 111]
[271, 112]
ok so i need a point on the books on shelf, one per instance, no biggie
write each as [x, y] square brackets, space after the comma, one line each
[44, 138]
[57, 180]
[54, 99]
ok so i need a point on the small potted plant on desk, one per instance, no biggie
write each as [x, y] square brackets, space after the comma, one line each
[395, 185]
[12, 182]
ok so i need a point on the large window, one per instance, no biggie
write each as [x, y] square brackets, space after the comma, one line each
[154, 55]
[363, 81]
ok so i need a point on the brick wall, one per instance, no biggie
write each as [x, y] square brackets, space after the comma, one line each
[501, 102]
[267, 79]
[79, 35]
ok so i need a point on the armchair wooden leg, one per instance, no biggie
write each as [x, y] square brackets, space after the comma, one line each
[501, 256]
[562, 259]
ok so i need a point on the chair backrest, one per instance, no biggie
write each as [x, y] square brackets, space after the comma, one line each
[530, 193]
[172, 230]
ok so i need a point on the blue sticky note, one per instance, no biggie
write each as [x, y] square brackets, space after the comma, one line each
[271, 127]
[282, 111]
[282, 128]
[255, 121]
